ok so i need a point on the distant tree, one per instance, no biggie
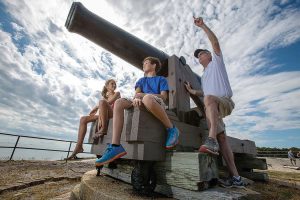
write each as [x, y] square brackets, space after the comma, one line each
[276, 149]
[275, 152]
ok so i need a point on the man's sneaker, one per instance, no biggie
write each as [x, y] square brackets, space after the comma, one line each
[210, 146]
[111, 153]
[172, 137]
[235, 182]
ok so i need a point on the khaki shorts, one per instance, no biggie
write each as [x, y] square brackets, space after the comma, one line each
[226, 105]
[160, 101]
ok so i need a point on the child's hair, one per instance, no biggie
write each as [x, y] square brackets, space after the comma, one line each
[104, 90]
[155, 61]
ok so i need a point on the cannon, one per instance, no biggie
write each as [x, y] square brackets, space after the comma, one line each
[143, 136]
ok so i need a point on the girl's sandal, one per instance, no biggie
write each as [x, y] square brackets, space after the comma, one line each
[74, 154]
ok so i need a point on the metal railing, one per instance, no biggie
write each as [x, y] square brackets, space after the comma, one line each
[32, 148]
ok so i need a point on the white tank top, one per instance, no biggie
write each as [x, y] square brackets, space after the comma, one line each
[215, 79]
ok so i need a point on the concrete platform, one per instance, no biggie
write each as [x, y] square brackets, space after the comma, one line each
[105, 187]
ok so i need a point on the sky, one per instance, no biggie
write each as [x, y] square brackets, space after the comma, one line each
[50, 77]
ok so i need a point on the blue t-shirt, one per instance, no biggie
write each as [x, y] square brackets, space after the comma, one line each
[152, 85]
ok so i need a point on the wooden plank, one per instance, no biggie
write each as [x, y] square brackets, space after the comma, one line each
[92, 131]
[242, 146]
[248, 162]
[118, 174]
[216, 193]
[190, 136]
[142, 127]
[191, 117]
[291, 167]
[208, 167]
[189, 139]
[179, 98]
[203, 124]
[172, 76]
[255, 176]
[134, 132]
[186, 170]
[199, 101]
[172, 114]
[146, 127]
[135, 150]
[183, 170]
[127, 126]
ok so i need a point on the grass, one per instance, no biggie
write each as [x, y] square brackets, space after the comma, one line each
[287, 176]
[274, 191]
[271, 191]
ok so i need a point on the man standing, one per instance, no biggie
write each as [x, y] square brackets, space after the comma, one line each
[291, 156]
[217, 100]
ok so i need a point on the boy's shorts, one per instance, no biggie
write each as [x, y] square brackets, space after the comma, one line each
[160, 101]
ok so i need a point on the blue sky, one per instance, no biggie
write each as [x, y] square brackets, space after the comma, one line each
[50, 77]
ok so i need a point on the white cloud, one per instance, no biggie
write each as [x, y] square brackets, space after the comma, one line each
[56, 77]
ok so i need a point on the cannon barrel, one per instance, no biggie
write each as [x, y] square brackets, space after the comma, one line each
[119, 42]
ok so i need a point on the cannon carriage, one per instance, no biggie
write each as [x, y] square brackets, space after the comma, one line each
[147, 163]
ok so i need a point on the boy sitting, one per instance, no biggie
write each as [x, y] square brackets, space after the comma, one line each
[152, 92]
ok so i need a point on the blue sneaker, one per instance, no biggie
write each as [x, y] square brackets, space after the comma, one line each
[172, 138]
[111, 153]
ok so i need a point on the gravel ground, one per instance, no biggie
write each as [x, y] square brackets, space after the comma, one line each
[56, 179]
[53, 180]
[40, 179]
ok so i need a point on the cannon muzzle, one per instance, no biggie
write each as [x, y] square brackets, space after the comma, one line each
[119, 42]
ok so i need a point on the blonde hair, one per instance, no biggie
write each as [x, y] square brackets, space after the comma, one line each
[104, 90]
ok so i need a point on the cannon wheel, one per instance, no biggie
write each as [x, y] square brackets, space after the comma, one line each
[99, 168]
[143, 177]
[204, 185]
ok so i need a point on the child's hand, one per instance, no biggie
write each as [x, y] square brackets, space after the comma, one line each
[137, 102]
[139, 95]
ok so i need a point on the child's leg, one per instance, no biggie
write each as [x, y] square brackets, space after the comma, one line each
[118, 118]
[83, 127]
[81, 133]
[104, 114]
[157, 110]
[115, 150]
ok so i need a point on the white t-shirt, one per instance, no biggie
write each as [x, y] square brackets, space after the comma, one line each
[215, 79]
